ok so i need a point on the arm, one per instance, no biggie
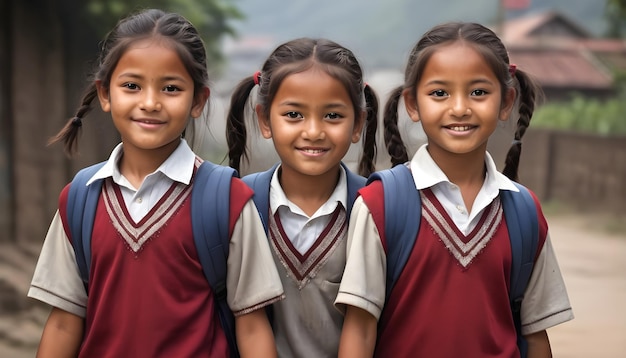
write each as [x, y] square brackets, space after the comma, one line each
[253, 283]
[358, 335]
[538, 345]
[62, 335]
[254, 335]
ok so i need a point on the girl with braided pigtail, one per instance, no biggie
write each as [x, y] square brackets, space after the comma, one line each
[449, 295]
[139, 288]
[527, 90]
[236, 132]
[313, 104]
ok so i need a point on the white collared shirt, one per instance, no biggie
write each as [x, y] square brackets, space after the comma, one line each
[427, 174]
[178, 167]
[301, 229]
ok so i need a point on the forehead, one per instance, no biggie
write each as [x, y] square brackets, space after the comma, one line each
[151, 54]
[457, 61]
[311, 86]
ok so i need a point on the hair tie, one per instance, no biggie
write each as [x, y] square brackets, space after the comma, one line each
[257, 77]
[77, 122]
[516, 142]
[512, 69]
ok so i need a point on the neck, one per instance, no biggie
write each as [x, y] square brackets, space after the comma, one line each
[467, 171]
[308, 192]
[137, 163]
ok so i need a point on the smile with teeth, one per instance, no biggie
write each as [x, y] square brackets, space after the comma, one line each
[313, 150]
[460, 128]
[148, 121]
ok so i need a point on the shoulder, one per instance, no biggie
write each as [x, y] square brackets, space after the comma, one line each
[372, 190]
[63, 207]
[255, 179]
[239, 188]
[542, 222]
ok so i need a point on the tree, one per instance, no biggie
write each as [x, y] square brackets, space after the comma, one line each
[211, 17]
[616, 18]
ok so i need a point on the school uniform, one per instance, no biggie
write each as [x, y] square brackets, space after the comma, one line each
[147, 295]
[451, 299]
[309, 252]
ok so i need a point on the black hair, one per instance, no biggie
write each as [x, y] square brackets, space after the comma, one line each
[487, 43]
[296, 56]
[151, 23]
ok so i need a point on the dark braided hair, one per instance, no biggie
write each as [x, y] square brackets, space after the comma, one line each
[487, 43]
[152, 23]
[293, 57]
[393, 141]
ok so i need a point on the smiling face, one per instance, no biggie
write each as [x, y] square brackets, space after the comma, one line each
[151, 97]
[458, 100]
[311, 122]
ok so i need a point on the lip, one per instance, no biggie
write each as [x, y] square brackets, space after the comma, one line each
[312, 151]
[460, 129]
[149, 123]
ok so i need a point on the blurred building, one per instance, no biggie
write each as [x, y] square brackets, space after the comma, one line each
[563, 56]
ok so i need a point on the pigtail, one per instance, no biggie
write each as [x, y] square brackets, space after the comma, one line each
[366, 165]
[528, 92]
[393, 140]
[70, 133]
[236, 135]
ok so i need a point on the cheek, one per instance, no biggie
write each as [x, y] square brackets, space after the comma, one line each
[345, 134]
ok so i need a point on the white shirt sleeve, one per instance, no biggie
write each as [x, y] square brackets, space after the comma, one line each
[56, 280]
[545, 303]
[363, 282]
[252, 278]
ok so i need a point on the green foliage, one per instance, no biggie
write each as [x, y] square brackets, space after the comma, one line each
[606, 117]
[211, 17]
[615, 12]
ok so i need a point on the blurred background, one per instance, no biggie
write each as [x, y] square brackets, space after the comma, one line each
[574, 154]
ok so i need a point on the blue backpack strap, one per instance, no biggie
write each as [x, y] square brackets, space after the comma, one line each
[523, 225]
[210, 215]
[403, 213]
[82, 202]
[260, 184]
[355, 182]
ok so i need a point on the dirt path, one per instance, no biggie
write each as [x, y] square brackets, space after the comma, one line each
[593, 265]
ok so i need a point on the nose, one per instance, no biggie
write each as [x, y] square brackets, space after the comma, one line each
[150, 101]
[314, 129]
[460, 107]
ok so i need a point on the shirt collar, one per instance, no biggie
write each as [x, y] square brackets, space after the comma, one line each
[339, 195]
[178, 166]
[426, 173]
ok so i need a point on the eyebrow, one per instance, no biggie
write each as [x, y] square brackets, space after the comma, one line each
[473, 82]
[302, 105]
[164, 78]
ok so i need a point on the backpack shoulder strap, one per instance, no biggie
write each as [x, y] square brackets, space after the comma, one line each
[355, 182]
[523, 225]
[403, 210]
[82, 202]
[210, 214]
[260, 184]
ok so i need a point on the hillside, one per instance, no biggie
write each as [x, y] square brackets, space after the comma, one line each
[383, 31]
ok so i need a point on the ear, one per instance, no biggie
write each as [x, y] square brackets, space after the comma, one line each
[410, 103]
[264, 122]
[507, 104]
[199, 102]
[103, 96]
[358, 126]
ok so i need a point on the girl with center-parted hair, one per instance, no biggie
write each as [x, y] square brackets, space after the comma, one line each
[313, 104]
